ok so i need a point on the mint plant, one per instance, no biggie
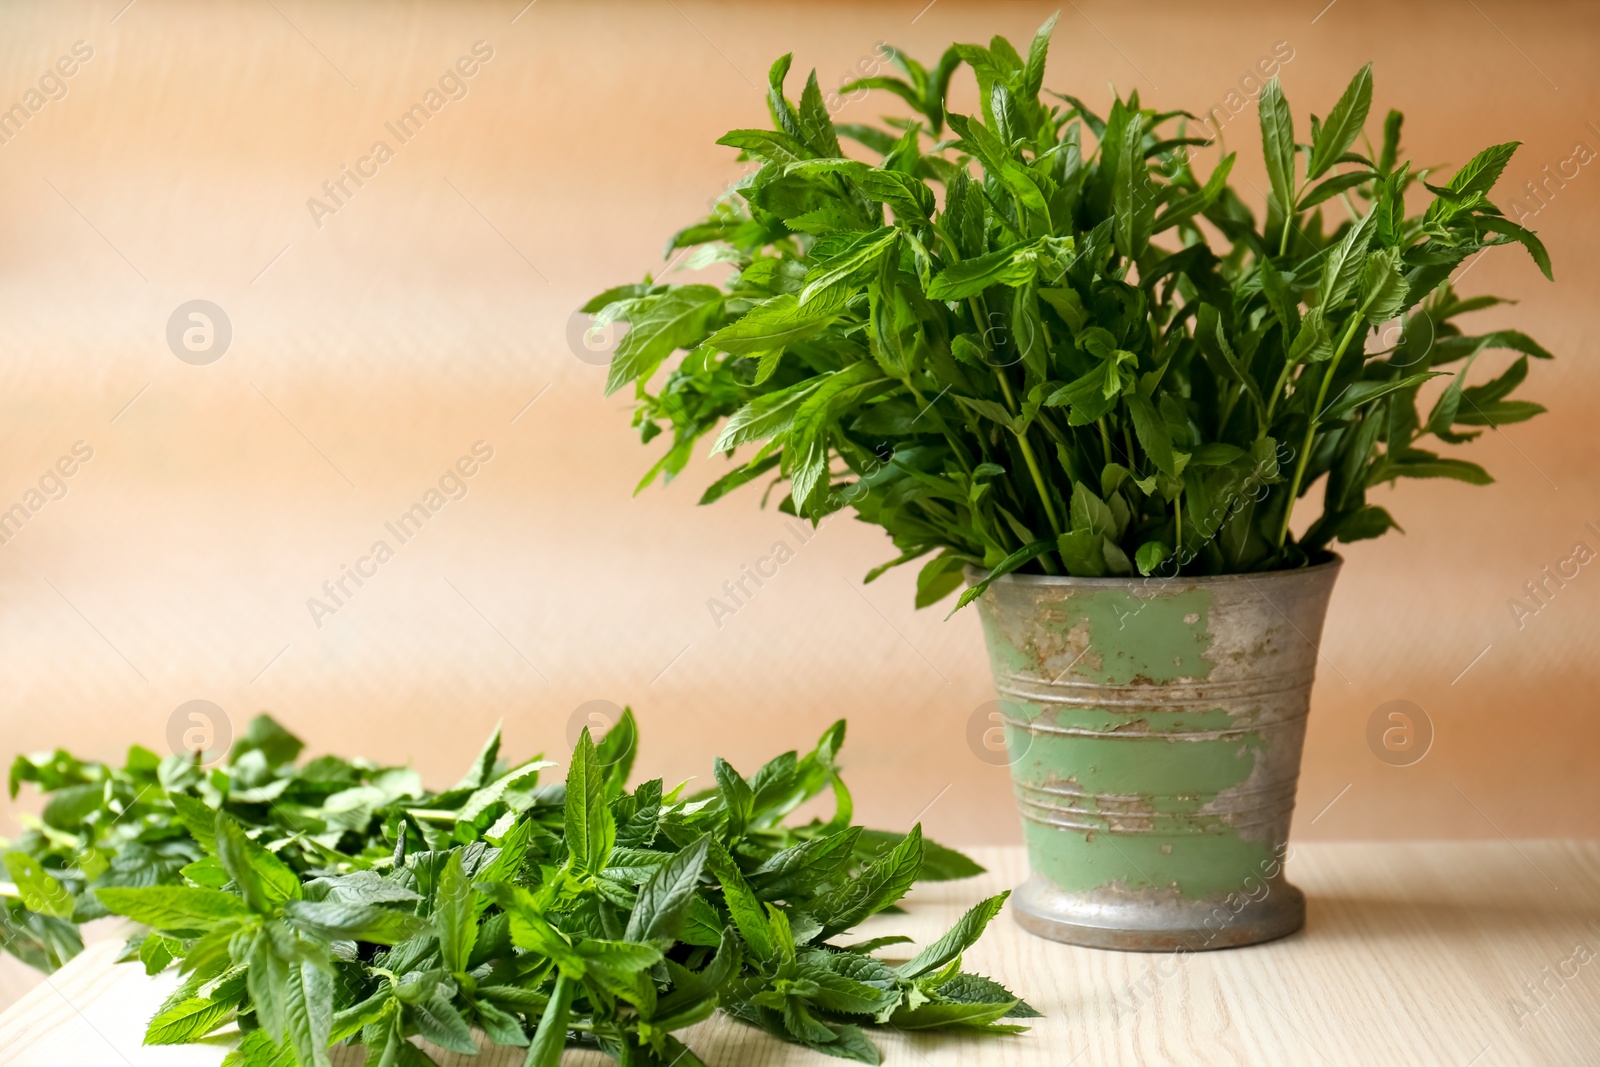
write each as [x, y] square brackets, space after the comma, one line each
[336, 901]
[1042, 341]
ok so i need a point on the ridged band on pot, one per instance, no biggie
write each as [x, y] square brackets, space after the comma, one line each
[1154, 729]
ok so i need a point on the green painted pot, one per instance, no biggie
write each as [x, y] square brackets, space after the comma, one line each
[1154, 729]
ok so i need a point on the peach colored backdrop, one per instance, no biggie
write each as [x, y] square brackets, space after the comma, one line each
[432, 309]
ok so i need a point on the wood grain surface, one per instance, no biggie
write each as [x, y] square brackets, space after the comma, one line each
[1455, 954]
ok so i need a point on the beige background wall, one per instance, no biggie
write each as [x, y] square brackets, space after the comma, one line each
[432, 309]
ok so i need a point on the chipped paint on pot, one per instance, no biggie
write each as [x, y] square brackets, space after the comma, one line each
[1157, 726]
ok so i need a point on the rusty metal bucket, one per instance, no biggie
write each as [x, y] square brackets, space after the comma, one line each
[1154, 728]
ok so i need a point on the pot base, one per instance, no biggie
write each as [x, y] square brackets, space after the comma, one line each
[1147, 922]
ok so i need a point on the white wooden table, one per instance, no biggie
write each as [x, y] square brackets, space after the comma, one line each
[1471, 953]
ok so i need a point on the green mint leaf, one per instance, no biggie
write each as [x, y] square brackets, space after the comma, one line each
[437, 1019]
[1343, 264]
[41, 891]
[1482, 171]
[262, 879]
[1277, 142]
[960, 937]
[170, 908]
[590, 828]
[1343, 125]
[780, 321]
[331, 920]
[737, 798]
[482, 769]
[276, 745]
[189, 1021]
[616, 752]
[308, 1013]
[677, 318]
[879, 885]
[551, 1036]
[663, 903]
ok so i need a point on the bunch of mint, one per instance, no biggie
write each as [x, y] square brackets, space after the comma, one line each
[334, 900]
[1042, 341]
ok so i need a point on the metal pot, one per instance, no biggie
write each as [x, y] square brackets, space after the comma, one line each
[1154, 728]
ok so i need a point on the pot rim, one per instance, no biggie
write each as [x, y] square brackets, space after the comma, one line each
[975, 574]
